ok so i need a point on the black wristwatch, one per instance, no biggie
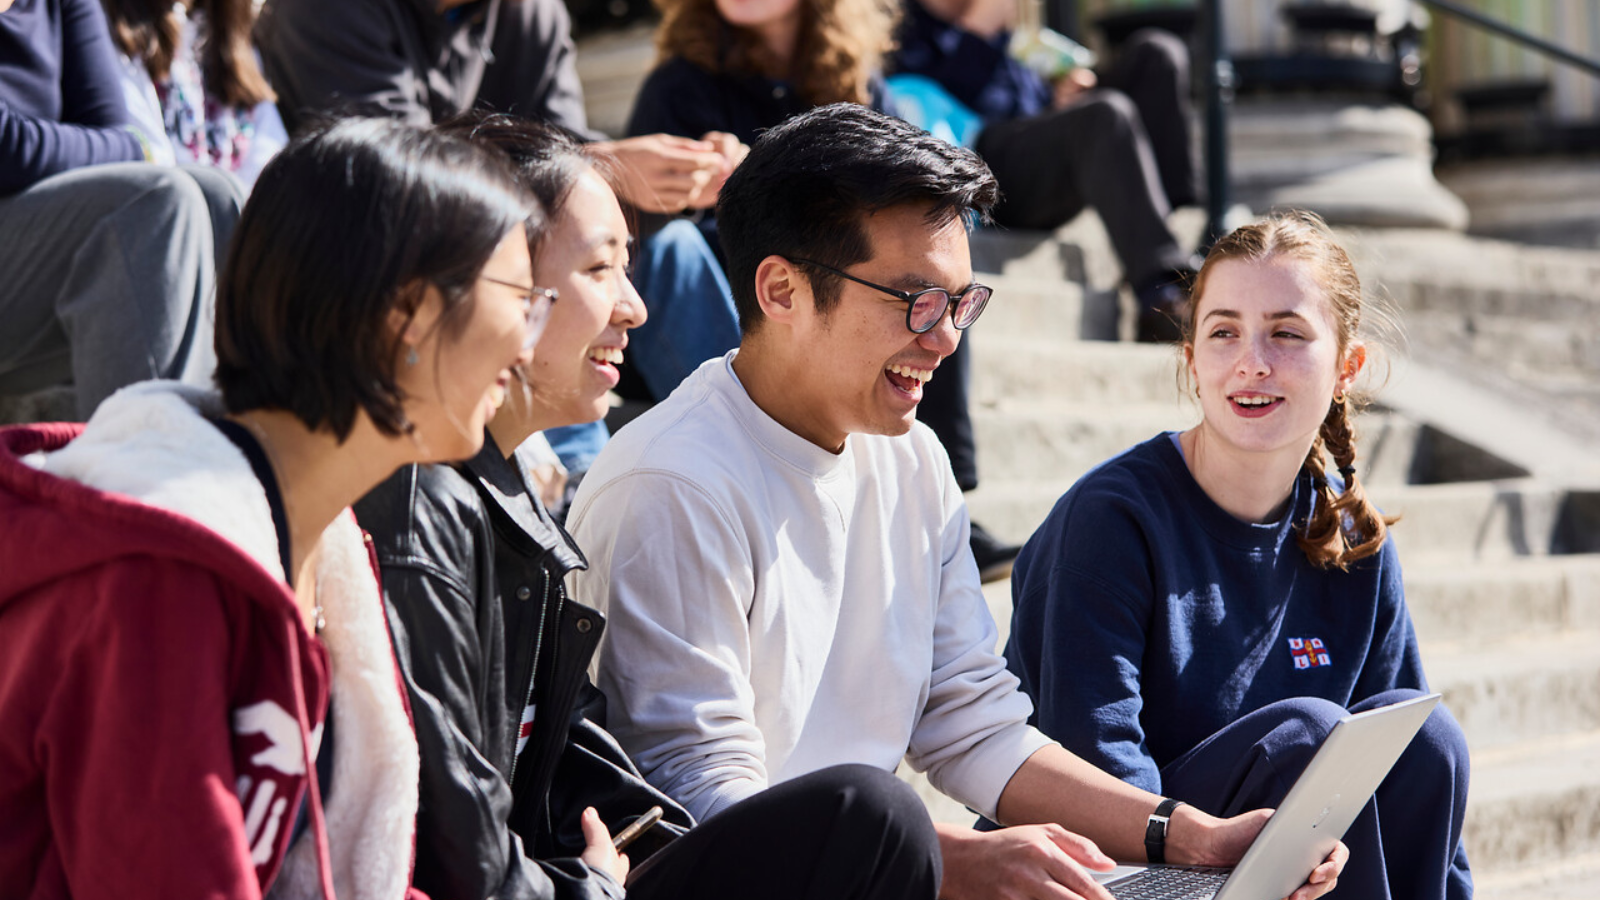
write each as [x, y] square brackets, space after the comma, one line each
[1155, 831]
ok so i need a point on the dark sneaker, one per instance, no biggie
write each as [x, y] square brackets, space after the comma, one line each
[994, 558]
[1163, 306]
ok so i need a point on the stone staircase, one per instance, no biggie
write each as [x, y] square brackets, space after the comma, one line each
[1485, 444]
[1500, 543]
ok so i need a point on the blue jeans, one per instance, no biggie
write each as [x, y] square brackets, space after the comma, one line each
[692, 319]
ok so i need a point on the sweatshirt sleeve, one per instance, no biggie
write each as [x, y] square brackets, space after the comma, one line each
[134, 731]
[671, 573]
[973, 732]
[678, 98]
[1078, 634]
[90, 130]
[1394, 660]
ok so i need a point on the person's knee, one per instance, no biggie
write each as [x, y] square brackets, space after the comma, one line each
[1440, 745]
[869, 787]
[167, 202]
[679, 238]
[1296, 729]
[1158, 49]
[223, 193]
[874, 801]
[1109, 114]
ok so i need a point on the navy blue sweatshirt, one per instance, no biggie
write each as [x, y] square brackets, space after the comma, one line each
[61, 105]
[1147, 618]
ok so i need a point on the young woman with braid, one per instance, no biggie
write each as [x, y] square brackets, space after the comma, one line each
[1196, 613]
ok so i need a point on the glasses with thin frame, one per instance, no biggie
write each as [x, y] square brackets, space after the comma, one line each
[925, 308]
[536, 303]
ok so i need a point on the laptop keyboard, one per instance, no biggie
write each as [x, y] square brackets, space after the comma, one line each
[1170, 883]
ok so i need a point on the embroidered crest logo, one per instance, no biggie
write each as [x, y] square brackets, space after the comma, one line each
[1309, 653]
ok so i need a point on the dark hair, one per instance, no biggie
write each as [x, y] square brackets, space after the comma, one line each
[1346, 526]
[548, 158]
[148, 32]
[345, 225]
[807, 185]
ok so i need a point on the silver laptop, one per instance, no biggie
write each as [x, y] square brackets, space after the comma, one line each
[1327, 797]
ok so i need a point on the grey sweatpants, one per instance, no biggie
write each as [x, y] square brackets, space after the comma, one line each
[108, 275]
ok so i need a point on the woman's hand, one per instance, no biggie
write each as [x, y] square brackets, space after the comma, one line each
[664, 173]
[1197, 839]
[600, 854]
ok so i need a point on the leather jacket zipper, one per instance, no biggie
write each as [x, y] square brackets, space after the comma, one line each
[533, 669]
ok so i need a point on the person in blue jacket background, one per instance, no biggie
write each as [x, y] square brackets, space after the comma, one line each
[1196, 613]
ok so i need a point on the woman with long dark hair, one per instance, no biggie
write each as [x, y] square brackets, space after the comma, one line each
[190, 74]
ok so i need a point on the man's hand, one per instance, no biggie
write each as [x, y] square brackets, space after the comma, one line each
[1196, 839]
[1026, 862]
[663, 173]
[600, 854]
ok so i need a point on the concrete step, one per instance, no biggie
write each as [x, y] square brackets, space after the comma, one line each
[1027, 369]
[1533, 817]
[1520, 690]
[1030, 457]
[1481, 605]
[612, 65]
[1057, 310]
[1482, 521]
[1572, 878]
[1059, 442]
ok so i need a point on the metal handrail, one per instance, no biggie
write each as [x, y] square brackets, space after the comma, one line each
[1554, 51]
[1218, 82]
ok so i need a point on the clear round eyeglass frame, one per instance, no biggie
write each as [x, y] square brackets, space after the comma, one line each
[536, 304]
[925, 308]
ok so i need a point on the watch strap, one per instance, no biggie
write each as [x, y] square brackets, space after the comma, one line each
[1155, 830]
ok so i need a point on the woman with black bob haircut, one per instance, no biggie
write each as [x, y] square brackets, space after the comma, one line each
[184, 594]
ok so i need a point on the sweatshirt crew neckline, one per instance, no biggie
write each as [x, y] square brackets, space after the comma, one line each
[778, 440]
[1218, 522]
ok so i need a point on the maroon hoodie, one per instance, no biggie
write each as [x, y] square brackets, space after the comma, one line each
[158, 695]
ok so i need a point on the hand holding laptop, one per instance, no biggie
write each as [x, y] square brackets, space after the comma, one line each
[1232, 837]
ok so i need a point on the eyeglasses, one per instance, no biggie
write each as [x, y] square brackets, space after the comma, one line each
[927, 307]
[536, 303]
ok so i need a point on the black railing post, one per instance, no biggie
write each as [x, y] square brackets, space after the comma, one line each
[1217, 72]
[1556, 52]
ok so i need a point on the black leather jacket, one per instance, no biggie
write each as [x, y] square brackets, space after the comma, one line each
[473, 569]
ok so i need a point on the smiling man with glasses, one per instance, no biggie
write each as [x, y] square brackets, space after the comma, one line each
[781, 550]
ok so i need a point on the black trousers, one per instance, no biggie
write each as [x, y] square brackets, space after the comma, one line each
[1122, 149]
[842, 833]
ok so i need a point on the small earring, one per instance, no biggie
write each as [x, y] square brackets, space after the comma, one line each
[1338, 398]
[411, 356]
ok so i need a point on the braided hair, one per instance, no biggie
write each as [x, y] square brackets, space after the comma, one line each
[1345, 526]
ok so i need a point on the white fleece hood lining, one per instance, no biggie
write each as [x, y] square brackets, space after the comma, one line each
[151, 442]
